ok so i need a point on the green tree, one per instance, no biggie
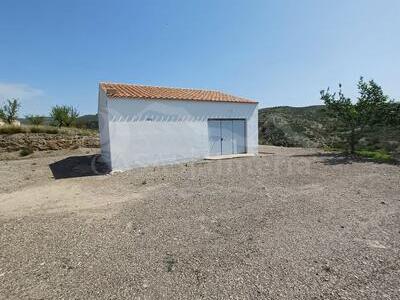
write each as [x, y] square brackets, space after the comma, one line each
[64, 115]
[353, 119]
[59, 114]
[35, 120]
[73, 115]
[393, 113]
[9, 111]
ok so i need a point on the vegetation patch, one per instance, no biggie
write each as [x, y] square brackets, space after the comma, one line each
[26, 151]
[11, 129]
[44, 129]
[170, 262]
[378, 155]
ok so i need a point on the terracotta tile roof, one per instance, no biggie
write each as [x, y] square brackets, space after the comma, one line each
[132, 91]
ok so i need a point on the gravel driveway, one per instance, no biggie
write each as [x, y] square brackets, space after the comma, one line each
[289, 224]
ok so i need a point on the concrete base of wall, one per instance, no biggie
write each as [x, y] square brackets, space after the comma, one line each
[229, 156]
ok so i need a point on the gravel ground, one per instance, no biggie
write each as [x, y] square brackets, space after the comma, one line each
[289, 224]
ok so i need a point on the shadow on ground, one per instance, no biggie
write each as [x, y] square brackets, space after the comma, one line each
[78, 166]
[332, 158]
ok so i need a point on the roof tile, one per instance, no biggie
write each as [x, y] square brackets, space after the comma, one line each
[132, 91]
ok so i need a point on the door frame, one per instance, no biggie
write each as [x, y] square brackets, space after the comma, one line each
[232, 119]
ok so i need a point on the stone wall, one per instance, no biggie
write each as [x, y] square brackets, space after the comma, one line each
[44, 141]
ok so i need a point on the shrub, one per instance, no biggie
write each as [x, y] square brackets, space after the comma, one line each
[26, 151]
[10, 129]
[379, 155]
[50, 130]
[35, 120]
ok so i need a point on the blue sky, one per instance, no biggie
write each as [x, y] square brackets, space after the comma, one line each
[280, 52]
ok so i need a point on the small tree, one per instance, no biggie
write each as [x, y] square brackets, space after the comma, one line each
[59, 114]
[73, 115]
[35, 120]
[9, 111]
[64, 115]
[352, 119]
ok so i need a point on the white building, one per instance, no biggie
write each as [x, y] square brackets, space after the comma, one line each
[144, 125]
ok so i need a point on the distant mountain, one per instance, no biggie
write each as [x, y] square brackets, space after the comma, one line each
[90, 118]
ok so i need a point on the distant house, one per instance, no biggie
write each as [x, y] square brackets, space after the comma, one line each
[148, 125]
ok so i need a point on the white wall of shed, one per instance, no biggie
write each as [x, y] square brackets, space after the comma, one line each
[156, 132]
[104, 128]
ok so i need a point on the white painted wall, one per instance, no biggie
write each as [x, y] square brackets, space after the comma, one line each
[103, 127]
[155, 132]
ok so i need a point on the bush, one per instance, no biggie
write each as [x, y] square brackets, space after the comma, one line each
[28, 129]
[379, 155]
[26, 151]
[50, 130]
[35, 120]
[10, 129]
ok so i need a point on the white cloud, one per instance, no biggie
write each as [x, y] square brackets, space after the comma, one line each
[33, 100]
[17, 90]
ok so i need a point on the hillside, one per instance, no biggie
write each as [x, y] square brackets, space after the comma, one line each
[310, 127]
[88, 121]
[293, 126]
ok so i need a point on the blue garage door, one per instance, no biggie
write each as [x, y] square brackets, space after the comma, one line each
[214, 137]
[226, 136]
[238, 139]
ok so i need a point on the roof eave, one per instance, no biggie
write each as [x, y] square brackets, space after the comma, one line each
[175, 99]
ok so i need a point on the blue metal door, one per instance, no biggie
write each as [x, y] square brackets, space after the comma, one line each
[214, 137]
[239, 133]
[226, 137]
